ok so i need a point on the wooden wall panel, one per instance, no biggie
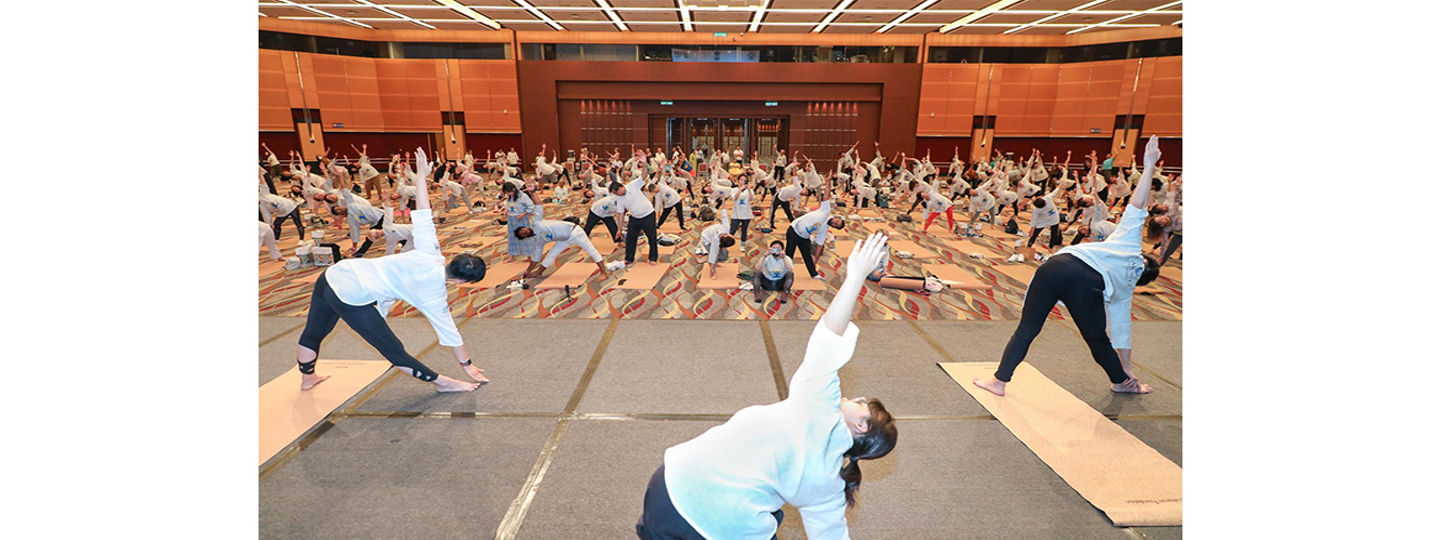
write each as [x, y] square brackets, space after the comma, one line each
[365, 111]
[274, 96]
[963, 91]
[1011, 93]
[1040, 103]
[1071, 89]
[1102, 95]
[333, 88]
[394, 93]
[1163, 113]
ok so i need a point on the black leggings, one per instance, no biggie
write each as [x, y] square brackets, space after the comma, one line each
[326, 309]
[659, 520]
[679, 208]
[1055, 238]
[794, 241]
[782, 205]
[592, 220]
[1171, 246]
[633, 228]
[366, 246]
[1064, 278]
[294, 215]
[744, 225]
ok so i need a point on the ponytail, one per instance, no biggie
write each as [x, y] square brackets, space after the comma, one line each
[851, 475]
[873, 444]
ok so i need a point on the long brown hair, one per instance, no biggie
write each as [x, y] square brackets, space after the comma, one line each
[875, 443]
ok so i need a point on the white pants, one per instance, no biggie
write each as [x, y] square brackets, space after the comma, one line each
[267, 240]
[577, 238]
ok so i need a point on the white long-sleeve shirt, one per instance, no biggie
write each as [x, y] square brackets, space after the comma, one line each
[417, 277]
[727, 481]
[1119, 262]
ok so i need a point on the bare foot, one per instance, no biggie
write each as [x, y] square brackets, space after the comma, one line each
[995, 386]
[308, 381]
[446, 384]
[1131, 386]
[476, 373]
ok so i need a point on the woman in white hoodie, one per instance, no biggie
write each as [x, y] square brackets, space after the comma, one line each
[731, 481]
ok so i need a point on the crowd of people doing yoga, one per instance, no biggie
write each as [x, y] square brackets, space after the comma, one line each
[733, 479]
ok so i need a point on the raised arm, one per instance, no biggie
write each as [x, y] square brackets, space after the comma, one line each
[1141, 196]
[863, 258]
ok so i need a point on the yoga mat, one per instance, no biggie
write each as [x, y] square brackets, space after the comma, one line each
[1148, 289]
[726, 276]
[803, 282]
[573, 274]
[270, 267]
[1171, 272]
[671, 226]
[912, 247]
[286, 412]
[966, 246]
[843, 247]
[1130, 482]
[951, 272]
[496, 275]
[1019, 272]
[643, 275]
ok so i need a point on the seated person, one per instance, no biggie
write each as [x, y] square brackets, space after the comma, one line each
[776, 272]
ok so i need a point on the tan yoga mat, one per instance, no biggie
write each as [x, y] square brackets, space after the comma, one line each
[803, 282]
[1019, 272]
[726, 276]
[1134, 485]
[843, 247]
[497, 275]
[1171, 272]
[671, 226]
[967, 246]
[573, 274]
[643, 275]
[286, 412]
[951, 272]
[270, 267]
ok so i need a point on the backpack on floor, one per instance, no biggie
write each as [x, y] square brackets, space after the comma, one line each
[1011, 227]
[746, 275]
[667, 240]
[707, 214]
[904, 218]
[882, 201]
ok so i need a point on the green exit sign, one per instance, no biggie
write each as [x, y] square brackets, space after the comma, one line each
[667, 102]
[772, 103]
[721, 34]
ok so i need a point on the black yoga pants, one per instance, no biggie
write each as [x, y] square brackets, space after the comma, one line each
[1068, 279]
[326, 309]
[794, 241]
[659, 520]
[633, 228]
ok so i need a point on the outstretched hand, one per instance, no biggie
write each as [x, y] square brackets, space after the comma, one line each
[422, 166]
[1152, 151]
[865, 255]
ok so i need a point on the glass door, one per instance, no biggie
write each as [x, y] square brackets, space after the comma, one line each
[767, 137]
[736, 133]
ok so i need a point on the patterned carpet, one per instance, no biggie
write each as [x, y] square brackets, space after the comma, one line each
[676, 296]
